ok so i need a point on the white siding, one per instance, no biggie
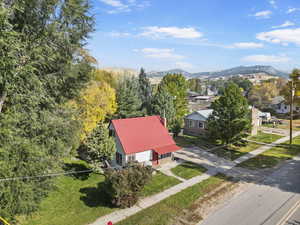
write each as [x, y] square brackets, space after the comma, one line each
[143, 156]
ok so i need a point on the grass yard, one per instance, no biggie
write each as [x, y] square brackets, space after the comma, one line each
[166, 211]
[159, 183]
[187, 170]
[273, 156]
[79, 200]
[265, 138]
[286, 125]
[234, 152]
[190, 141]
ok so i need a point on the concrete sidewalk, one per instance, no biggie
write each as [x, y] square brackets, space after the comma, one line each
[122, 214]
[214, 164]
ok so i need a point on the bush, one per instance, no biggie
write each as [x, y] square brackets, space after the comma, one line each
[124, 186]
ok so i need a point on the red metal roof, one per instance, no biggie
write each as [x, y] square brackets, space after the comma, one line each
[167, 149]
[144, 133]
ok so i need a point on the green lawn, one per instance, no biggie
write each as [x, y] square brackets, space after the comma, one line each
[233, 152]
[187, 170]
[159, 183]
[273, 156]
[190, 141]
[265, 138]
[166, 211]
[80, 200]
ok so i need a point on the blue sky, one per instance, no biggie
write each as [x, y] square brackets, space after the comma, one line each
[196, 35]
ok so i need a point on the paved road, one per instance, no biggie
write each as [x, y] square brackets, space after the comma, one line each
[262, 204]
[294, 219]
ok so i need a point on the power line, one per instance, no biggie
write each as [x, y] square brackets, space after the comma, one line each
[44, 175]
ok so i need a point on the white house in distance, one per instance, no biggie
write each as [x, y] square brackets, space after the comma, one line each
[142, 139]
[280, 106]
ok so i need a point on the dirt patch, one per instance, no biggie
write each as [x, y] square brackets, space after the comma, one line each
[209, 202]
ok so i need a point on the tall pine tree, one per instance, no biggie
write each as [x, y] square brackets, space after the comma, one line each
[230, 121]
[128, 98]
[163, 105]
[145, 91]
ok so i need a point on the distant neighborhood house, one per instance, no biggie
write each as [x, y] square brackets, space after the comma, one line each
[143, 139]
[195, 124]
[281, 107]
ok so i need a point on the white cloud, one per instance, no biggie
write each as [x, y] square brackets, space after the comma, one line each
[246, 45]
[156, 32]
[281, 36]
[291, 10]
[160, 53]
[119, 34]
[273, 4]
[285, 24]
[184, 65]
[266, 59]
[263, 14]
[119, 6]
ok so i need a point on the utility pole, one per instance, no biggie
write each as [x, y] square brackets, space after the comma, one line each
[291, 111]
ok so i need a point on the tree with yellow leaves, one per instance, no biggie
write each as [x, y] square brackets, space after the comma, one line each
[95, 103]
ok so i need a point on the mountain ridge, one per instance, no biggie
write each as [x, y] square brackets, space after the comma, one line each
[240, 70]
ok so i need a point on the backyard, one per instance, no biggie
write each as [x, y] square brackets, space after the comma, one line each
[79, 200]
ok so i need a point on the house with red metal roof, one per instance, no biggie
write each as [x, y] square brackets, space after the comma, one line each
[142, 139]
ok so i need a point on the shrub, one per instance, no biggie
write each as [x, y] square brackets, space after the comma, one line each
[124, 186]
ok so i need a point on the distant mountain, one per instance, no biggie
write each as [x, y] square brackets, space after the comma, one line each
[241, 70]
[163, 73]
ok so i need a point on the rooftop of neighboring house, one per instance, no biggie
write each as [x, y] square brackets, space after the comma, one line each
[144, 133]
[200, 115]
[277, 100]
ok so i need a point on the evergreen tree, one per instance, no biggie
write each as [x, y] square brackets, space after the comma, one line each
[163, 105]
[230, 120]
[99, 146]
[177, 86]
[128, 98]
[42, 67]
[145, 91]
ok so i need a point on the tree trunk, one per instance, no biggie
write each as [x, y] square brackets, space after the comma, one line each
[2, 100]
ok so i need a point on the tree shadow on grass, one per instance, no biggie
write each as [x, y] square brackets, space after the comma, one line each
[96, 196]
[79, 169]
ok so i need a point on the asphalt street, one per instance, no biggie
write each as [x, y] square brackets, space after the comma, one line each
[265, 203]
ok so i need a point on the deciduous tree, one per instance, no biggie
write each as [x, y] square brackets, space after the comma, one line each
[230, 120]
[42, 68]
[176, 85]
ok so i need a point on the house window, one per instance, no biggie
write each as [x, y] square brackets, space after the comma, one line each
[297, 108]
[165, 155]
[201, 125]
[131, 158]
[285, 107]
[119, 158]
[190, 123]
[112, 133]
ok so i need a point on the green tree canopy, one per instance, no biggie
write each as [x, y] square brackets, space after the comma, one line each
[177, 86]
[128, 98]
[145, 91]
[163, 105]
[42, 67]
[98, 147]
[230, 120]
